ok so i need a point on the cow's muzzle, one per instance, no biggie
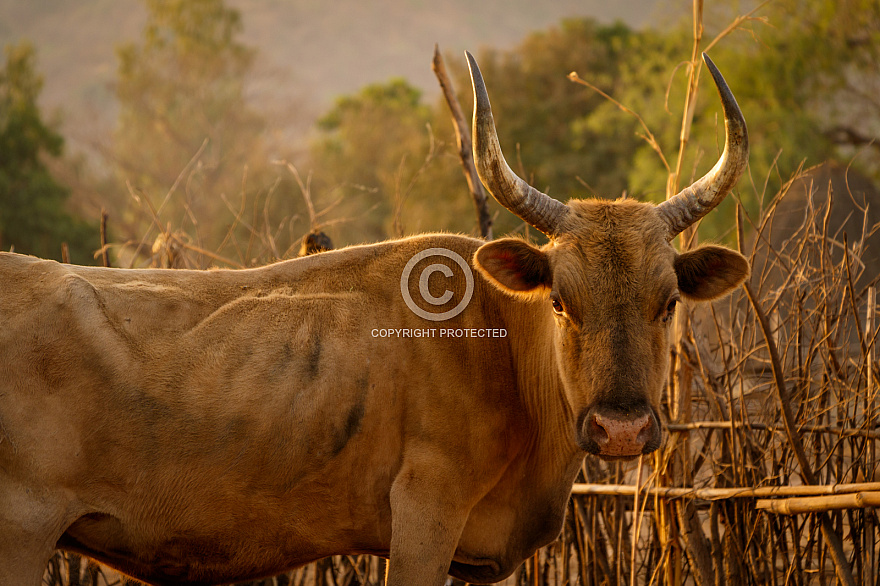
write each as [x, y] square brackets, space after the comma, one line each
[619, 434]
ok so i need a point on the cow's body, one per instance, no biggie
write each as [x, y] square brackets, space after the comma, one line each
[205, 427]
[229, 414]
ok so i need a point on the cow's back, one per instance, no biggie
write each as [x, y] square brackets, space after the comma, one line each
[186, 393]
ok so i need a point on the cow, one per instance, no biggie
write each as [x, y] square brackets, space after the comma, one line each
[314, 242]
[205, 427]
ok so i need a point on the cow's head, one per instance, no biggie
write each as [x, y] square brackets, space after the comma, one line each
[612, 280]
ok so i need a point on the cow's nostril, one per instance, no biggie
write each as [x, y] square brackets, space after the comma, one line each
[646, 433]
[597, 431]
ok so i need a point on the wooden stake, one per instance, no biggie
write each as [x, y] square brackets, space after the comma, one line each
[711, 494]
[105, 257]
[841, 431]
[799, 505]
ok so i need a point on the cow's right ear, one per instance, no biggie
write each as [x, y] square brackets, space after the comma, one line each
[514, 266]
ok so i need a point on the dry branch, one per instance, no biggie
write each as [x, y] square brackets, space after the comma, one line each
[696, 545]
[796, 506]
[105, 257]
[711, 494]
[841, 431]
[648, 136]
[465, 150]
[154, 211]
[844, 571]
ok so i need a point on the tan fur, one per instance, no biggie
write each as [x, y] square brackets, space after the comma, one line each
[206, 427]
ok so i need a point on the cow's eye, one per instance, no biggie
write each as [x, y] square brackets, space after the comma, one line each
[557, 304]
[670, 310]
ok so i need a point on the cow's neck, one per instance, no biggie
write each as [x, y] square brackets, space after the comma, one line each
[545, 468]
[540, 385]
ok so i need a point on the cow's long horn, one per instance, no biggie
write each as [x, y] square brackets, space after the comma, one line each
[694, 202]
[536, 208]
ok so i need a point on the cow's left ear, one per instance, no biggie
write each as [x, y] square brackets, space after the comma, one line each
[514, 266]
[710, 272]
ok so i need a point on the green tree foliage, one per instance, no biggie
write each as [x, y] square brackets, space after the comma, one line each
[390, 158]
[567, 135]
[826, 55]
[543, 120]
[803, 100]
[376, 141]
[369, 134]
[33, 218]
[379, 151]
[567, 139]
[182, 86]
[806, 75]
[654, 82]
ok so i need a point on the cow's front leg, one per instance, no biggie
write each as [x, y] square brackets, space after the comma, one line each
[31, 521]
[429, 508]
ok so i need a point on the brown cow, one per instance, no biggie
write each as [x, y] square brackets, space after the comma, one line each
[203, 427]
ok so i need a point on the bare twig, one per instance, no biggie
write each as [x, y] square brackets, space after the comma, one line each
[465, 149]
[648, 136]
[844, 572]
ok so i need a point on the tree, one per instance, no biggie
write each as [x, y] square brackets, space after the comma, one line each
[805, 74]
[182, 87]
[541, 116]
[805, 102]
[379, 149]
[33, 218]
[826, 55]
[570, 142]
[377, 138]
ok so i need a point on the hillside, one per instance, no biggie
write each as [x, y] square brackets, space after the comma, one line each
[309, 50]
